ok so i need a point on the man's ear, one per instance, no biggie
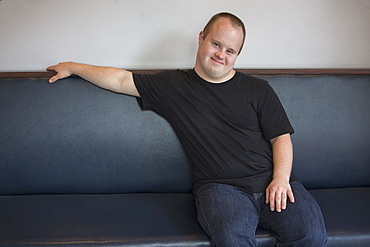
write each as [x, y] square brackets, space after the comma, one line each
[201, 37]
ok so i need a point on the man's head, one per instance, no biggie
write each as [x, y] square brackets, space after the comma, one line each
[235, 22]
[220, 44]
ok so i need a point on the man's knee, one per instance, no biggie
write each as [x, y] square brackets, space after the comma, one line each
[226, 231]
[301, 224]
[305, 233]
[312, 236]
[232, 238]
[227, 215]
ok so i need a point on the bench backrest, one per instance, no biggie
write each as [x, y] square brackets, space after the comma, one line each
[331, 117]
[73, 137]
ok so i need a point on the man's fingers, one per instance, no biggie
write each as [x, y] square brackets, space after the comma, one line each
[271, 199]
[53, 79]
[283, 201]
[279, 202]
[267, 196]
[61, 69]
[277, 196]
[272, 205]
[50, 68]
[291, 196]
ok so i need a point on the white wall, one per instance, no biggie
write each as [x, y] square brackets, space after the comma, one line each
[158, 34]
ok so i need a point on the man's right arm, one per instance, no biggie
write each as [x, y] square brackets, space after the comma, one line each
[113, 79]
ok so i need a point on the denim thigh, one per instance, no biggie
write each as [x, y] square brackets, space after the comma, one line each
[230, 217]
[227, 215]
[300, 224]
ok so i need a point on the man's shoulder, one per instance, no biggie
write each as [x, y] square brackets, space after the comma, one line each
[174, 74]
[178, 72]
[253, 81]
[161, 73]
[159, 76]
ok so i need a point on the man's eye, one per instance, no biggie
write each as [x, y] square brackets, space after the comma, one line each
[231, 52]
[215, 44]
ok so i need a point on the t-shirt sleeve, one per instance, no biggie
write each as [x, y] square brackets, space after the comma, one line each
[152, 89]
[273, 118]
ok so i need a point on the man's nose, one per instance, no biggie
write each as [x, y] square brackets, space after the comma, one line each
[220, 54]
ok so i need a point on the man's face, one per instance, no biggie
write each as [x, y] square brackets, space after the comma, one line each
[217, 52]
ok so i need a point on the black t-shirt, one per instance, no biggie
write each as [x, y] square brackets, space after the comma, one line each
[224, 128]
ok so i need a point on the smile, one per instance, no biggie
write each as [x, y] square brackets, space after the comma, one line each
[216, 61]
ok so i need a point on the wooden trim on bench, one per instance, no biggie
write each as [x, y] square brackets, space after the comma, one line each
[305, 71]
[257, 72]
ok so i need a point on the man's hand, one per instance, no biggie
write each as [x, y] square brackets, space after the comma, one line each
[63, 70]
[277, 194]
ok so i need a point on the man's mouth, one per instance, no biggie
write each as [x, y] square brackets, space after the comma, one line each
[216, 61]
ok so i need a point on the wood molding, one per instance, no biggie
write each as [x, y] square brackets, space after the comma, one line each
[305, 71]
[257, 72]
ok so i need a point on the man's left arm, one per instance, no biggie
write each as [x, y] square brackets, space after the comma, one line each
[279, 190]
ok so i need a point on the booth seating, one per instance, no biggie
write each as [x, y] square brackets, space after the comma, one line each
[82, 166]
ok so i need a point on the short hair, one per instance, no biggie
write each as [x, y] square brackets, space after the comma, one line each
[236, 22]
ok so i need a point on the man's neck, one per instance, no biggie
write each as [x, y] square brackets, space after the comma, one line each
[215, 79]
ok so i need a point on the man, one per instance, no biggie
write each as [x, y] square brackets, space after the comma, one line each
[236, 135]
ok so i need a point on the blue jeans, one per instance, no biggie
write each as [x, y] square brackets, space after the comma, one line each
[230, 217]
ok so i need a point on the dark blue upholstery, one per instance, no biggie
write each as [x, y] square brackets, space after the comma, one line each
[83, 166]
[72, 137]
[331, 117]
